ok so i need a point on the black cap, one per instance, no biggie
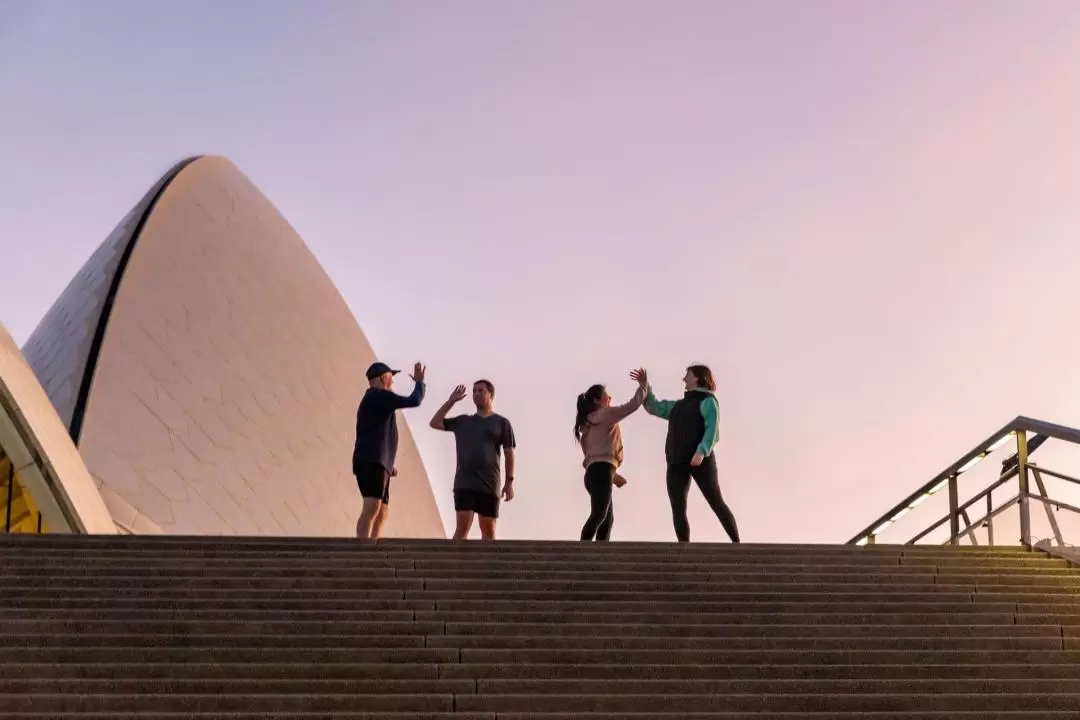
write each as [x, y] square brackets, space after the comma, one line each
[378, 369]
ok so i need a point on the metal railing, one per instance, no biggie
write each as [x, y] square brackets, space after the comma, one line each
[1028, 435]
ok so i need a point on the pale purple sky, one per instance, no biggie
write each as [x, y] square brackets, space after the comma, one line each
[864, 216]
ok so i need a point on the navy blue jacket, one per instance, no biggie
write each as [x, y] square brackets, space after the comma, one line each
[376, 425]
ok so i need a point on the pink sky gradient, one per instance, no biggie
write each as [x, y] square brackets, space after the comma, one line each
[863, 216]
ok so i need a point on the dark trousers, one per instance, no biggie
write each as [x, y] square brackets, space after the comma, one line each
[598, 481]
[678, 488]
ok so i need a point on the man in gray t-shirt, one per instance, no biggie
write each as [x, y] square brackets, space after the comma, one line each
[482, 439]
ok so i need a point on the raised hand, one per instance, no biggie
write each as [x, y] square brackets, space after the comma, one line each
[418, 372]
[640, 377]
[459, 393]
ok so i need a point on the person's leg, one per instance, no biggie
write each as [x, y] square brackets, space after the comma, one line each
[464, 524]
[380, 520]
[603, 533]
[382, 514]
[464, 512]
[598, 484]
[678, 488]
[487, 508]
[705, 475]
[368, 514]
[372, 480]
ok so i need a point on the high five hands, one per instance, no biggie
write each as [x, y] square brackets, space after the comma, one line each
[640, 377]
[418, 372]
[459, 394]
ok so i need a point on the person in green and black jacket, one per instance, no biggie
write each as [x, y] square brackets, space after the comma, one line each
[692, 434]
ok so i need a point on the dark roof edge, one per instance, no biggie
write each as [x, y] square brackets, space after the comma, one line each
[79, 412]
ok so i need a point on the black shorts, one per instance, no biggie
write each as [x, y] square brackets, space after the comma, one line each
[373, 481]
[481, 503]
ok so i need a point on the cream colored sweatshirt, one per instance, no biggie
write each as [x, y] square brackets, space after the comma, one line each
[601, 439]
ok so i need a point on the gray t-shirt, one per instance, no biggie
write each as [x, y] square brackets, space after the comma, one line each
[480, 442]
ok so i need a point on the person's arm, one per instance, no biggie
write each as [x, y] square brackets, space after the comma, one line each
[659, 408]
[439, 420]
[510, 457]
[710, 410]
[612, 415]
[413, 399]
[509, 443]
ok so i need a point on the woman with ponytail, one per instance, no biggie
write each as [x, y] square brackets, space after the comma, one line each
[596, 429]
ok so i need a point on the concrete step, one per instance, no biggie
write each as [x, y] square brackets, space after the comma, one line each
[756, 656]
[1046, 641]
[227, 654]
[484, 629]
[247, 702]
[1007, 715]
[524, 560]
[477, 671]
[733, 630]
[438, 545]
[295, 628]
[519, 686]
[733, 671]
[404, 579]
[98, 600]
[737, 715]
[545, 656]
[849, 702]
[594, 553]
[745, 573]
[967, 603]
[406, 569]
[736, 643]
[299, 614]
[613, 592]
[521, 703]
[181, 559]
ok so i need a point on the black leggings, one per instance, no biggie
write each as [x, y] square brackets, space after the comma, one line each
[678, 487]
[598, 481]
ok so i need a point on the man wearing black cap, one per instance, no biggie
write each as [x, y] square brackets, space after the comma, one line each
[376, 442]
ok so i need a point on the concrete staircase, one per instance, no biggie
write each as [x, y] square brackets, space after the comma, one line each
[169, 627]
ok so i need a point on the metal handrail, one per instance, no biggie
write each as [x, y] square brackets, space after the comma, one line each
[1017, 466]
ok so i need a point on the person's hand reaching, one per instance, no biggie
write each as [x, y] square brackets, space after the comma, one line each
[418, 372]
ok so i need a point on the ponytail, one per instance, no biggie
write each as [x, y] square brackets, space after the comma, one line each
[587, 402]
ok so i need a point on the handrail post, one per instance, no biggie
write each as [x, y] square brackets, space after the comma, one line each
[989, 520]
[1022, 476]
[954, 514]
